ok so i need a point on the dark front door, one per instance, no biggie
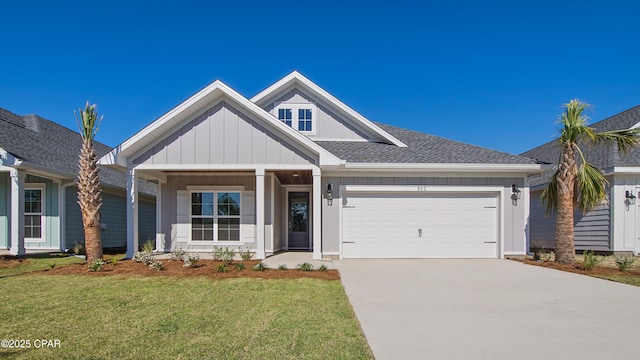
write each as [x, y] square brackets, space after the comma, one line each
[299, 220]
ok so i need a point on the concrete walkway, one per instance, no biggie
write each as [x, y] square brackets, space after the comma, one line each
[490, 309]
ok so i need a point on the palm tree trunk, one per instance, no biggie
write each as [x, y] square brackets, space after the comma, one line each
[565, 246]
[90, 201]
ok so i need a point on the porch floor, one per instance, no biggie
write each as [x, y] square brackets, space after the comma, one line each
[294, 258]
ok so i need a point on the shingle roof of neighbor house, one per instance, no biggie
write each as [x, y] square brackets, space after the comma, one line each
[51, 146]
[603, 156]
[421, 148]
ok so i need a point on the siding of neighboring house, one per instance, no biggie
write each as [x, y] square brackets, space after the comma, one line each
[51, 219]
[113, 220]
[5, 210]
[328, 124]
[146, 222]
[514, 221]
[591, 230]
[224, 135]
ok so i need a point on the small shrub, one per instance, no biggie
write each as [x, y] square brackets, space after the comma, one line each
[177, 254]
[227, 255]
[96, 265]
[190, 260]
[239, 266]
[624, 263]
[260, 267]
[590, 260]
[305, 267]
[114, 260]
[148, 246]
[143, 257]
[245, 254]
[282, 267]
[322, 268]
[78, 249]
[222, 268]
[156, 265]
[217, 253]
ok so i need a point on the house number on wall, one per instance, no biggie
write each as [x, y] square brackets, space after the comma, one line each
[423, 188]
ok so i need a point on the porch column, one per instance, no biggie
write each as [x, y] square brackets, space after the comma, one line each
[16, 234]
[161, 245]
[317, 214]
[260, 254]
[132, 213]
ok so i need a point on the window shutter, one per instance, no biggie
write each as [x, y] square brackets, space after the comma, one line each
[183, 221]
[247, 223]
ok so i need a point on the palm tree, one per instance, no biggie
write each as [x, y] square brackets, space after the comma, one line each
[578, 183]
[89, 191]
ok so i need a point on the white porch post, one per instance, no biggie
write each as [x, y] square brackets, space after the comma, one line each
[317, 214]
[160, 237]
[260, 253]
[132, 213]
[16, 236]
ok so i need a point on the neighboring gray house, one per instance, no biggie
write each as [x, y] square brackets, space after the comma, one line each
[295, 168]
[612, 227]
[38, 196]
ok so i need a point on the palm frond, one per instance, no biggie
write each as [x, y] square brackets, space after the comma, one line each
[574, 122]
[88, 122]
[626, 138]
[549, 196]
[591, 187]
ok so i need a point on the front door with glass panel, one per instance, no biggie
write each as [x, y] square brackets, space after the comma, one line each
[299, 221]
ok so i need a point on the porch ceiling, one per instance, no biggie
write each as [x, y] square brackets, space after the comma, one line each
[294, 177]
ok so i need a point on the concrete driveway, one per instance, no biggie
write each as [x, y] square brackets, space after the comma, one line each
[490, 309]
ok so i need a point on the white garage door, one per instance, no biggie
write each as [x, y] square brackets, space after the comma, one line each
[425, 225]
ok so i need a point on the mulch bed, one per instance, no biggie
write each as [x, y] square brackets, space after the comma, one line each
[577, 268]
[205, 268]
[7, 261]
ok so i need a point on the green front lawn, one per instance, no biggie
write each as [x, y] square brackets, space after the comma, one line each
[179, 318]
[35, 262]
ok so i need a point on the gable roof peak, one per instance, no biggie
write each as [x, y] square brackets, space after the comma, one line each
[296, 77]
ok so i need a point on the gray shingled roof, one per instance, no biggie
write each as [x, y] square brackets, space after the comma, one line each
[48, 145]
[603, 156]
[421, 148]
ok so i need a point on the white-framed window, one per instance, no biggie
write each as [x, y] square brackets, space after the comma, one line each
[215, 215]
[300, 116]
[34, 206]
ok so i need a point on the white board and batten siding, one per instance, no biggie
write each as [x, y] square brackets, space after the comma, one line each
[223, 135]
[423, 225]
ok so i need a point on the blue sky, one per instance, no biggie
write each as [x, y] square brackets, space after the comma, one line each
[493, 74]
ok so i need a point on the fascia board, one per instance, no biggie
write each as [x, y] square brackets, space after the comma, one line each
[528, 169]
[297, 77]
[625, 170]
[7, 159]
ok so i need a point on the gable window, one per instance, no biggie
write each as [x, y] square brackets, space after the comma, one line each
[300, 116]
[33, 213]
[215, 216]
[284, 115]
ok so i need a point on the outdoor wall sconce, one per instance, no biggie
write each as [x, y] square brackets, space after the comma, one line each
[515, 194]
[329, 194]
[630, 198]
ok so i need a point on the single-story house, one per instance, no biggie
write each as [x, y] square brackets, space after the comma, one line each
[612, 227]
[38, 195]
[294, 168]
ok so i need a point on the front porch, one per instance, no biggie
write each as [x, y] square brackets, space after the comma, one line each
[266, 209]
